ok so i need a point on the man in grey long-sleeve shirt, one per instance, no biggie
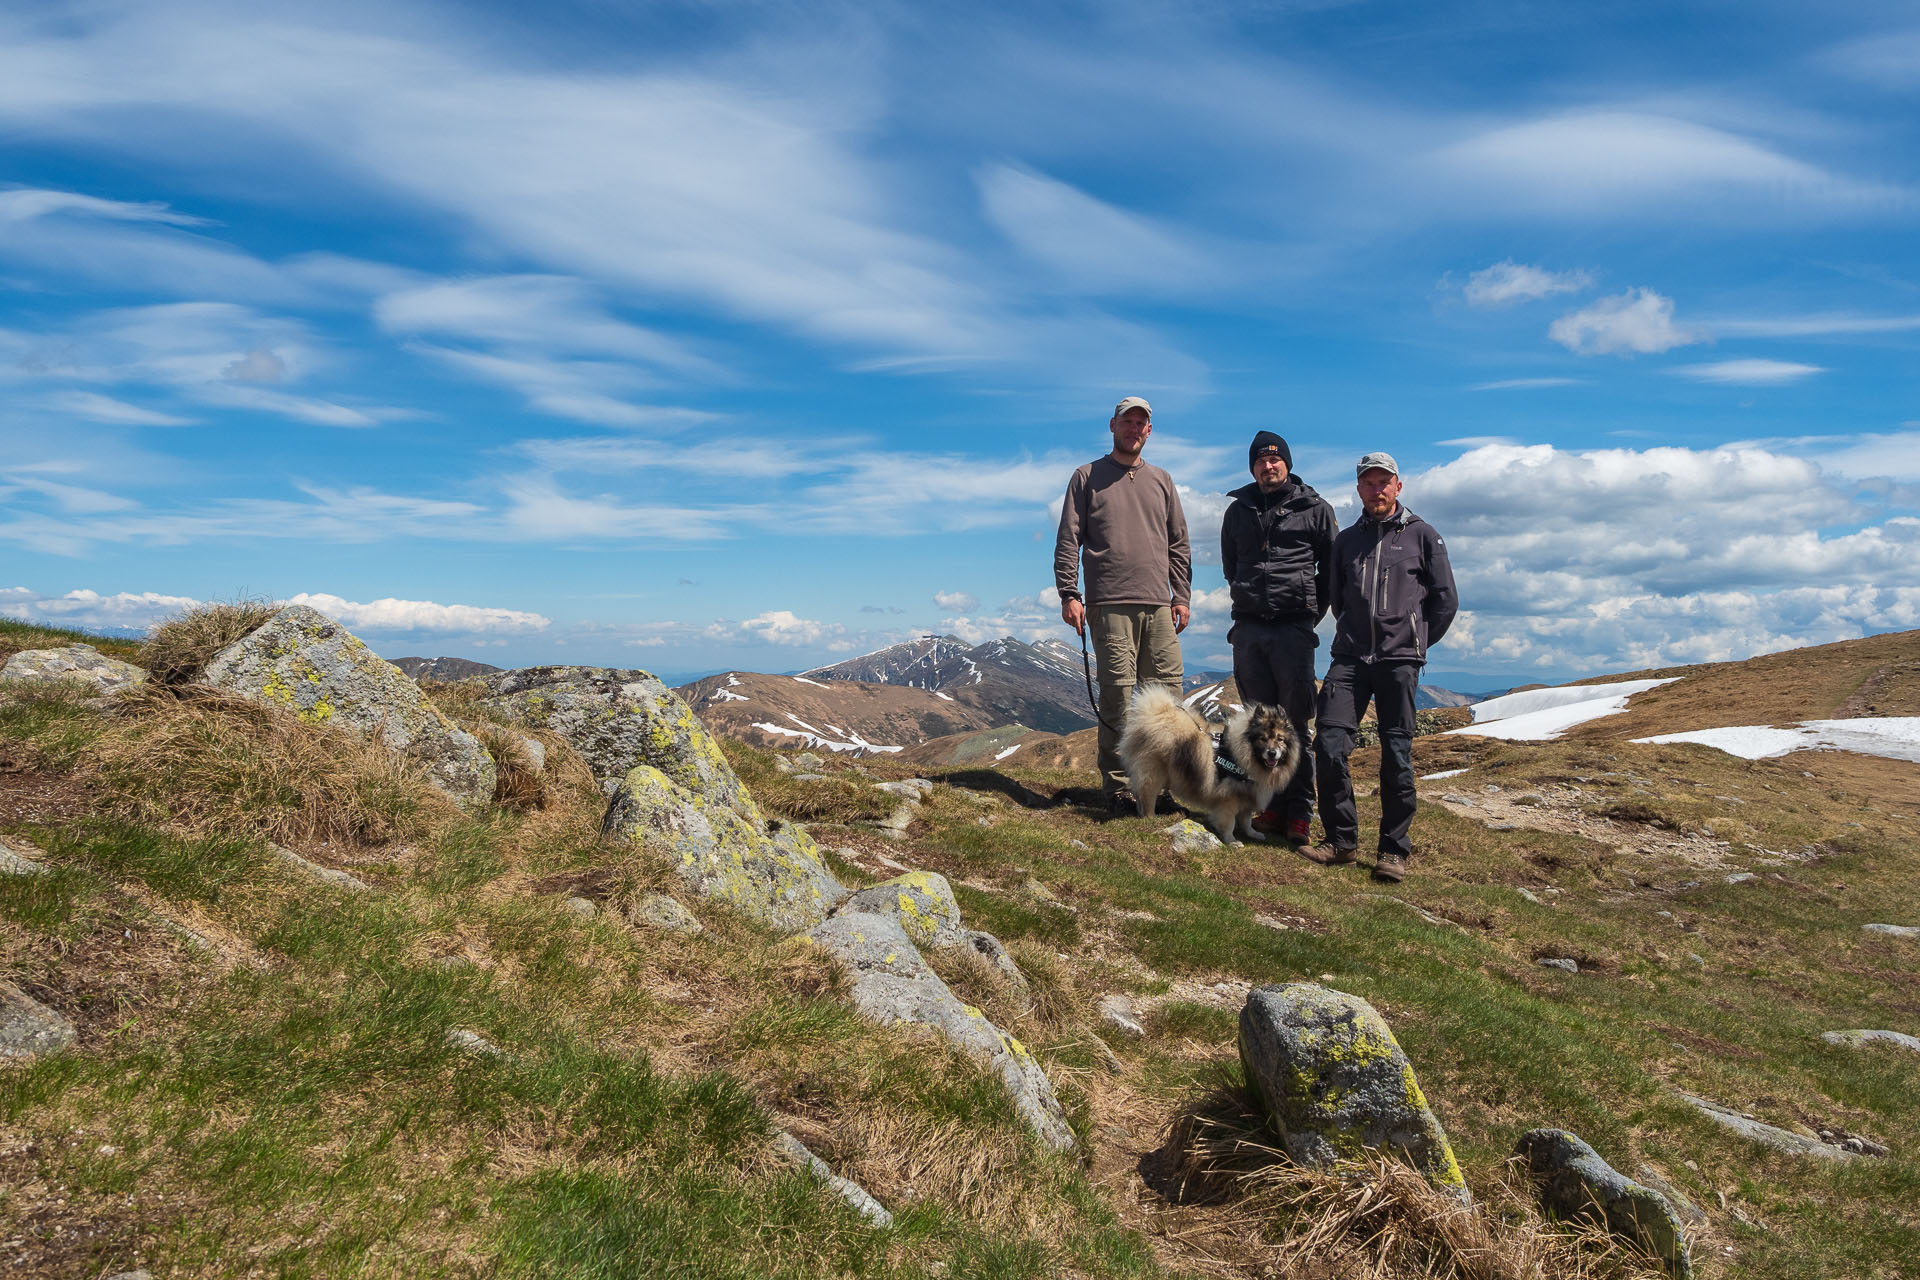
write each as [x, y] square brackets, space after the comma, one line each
[1122, 517]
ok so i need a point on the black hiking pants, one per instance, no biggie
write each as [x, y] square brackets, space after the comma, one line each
[1273, 663]
[1343, 700]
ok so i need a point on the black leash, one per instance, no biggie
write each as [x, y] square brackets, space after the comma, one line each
[1086, 664]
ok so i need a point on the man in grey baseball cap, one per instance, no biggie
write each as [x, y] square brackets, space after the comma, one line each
[1393, 597]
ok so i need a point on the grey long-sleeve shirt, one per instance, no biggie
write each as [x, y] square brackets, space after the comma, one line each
[1126, 524]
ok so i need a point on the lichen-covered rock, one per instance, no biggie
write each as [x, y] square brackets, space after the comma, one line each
[1334, 1081]
[1190, 837]
[28, 1028]
[780, 880]
[923, 903]
[658, 911]
[892, 984]
[79, 662]
[1574, 1182]
[617, 719]
[303, 661]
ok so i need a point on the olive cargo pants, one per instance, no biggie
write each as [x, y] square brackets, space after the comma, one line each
[1132, 644]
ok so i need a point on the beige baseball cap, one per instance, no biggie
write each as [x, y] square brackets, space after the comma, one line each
[1132, 402]
[1380, 461]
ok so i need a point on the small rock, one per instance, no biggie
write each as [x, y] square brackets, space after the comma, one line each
[1491, 789]
[582, 907]
[983, 821]
[808, 760]
[1566, 963]
[1504, 826]
[1690, 1213]
[1190, 837]
[141, 1274]
[658, 911]
[915, 789]
[314, 871]
[1530, 896]
[1077, 844]
[809, 777]
[1333, 1080]
[1741, 877]
[475, 1043]
[1730, 799]
[782, 765]
[1454, 797]
[1117, 1011]
[1531, 799]
[1034, 889]
[902, 817]
[1855, 1039]
[1575, 1182]
[29, 1029]
[1894, 930]
[1766, 1134]
[1695, 957]
[796, 1154]
[1269, 922]
[20, 858]
[1423, 913]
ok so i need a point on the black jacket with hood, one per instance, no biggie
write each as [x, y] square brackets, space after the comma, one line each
[1393, 593]
[1277, 550]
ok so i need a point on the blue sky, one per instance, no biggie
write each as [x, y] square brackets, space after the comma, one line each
[692, 337]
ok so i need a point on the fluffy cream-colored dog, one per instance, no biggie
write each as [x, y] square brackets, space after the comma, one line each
[1230, 776]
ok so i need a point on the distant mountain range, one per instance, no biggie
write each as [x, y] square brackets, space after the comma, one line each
[1040, 685]
[898, 698]
[443, 668]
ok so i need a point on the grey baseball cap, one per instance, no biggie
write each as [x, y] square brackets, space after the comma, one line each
[1132, 402]
[1382, 461]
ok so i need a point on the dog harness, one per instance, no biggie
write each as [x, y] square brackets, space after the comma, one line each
[1223, 765]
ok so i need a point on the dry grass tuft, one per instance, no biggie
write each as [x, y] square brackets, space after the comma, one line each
[1255, 1211]
[179, 649]
[807, 971]
[212, 763]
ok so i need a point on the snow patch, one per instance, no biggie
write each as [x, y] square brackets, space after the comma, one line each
[724, 696]
[1891, 737]
[1444, 773]
[1542, 714]
[943, 697]
[1009, 751]
[803, 680]
[855, 743]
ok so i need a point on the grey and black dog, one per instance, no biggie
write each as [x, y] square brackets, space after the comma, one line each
[1169, 746]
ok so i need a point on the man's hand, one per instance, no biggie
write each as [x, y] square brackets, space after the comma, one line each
[1074, 614]
[1182, 615]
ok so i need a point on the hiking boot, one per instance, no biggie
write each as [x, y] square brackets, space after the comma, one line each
[1392, 868]
[1327, 855]
[1298, 831]
[1122, 803]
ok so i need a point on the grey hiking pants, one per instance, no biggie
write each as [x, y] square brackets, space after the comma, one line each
[1132, 644]
[1343, 700]
[1273, 663]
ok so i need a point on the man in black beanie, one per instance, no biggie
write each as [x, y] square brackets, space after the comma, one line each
[1276, 545]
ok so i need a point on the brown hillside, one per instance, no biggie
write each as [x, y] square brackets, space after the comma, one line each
[834, 715]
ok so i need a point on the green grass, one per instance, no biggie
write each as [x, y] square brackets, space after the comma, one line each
[296, 1108]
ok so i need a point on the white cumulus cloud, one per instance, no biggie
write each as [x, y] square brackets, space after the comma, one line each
[1508, 282]
[777, 626]
[956, 601]
[90, 609]
[423, 615]
[1638, 321]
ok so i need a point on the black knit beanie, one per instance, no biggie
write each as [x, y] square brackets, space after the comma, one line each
[1266, 441]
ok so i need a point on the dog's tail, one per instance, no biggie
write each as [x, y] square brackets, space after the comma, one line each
[1156, 715]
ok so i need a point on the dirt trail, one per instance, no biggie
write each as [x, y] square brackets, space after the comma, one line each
[1563, 809]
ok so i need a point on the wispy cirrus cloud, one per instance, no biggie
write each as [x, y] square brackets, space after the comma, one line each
[1750, 372]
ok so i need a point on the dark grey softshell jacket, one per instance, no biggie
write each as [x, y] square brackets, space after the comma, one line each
[1393, 592]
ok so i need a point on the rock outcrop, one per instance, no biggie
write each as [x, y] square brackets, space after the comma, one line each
[1574, 1182]
[618, 719]
[780, 880]
[78, 662]
[1334, 1081]
[892, 984]
[303, 661]
[1854, 1039]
